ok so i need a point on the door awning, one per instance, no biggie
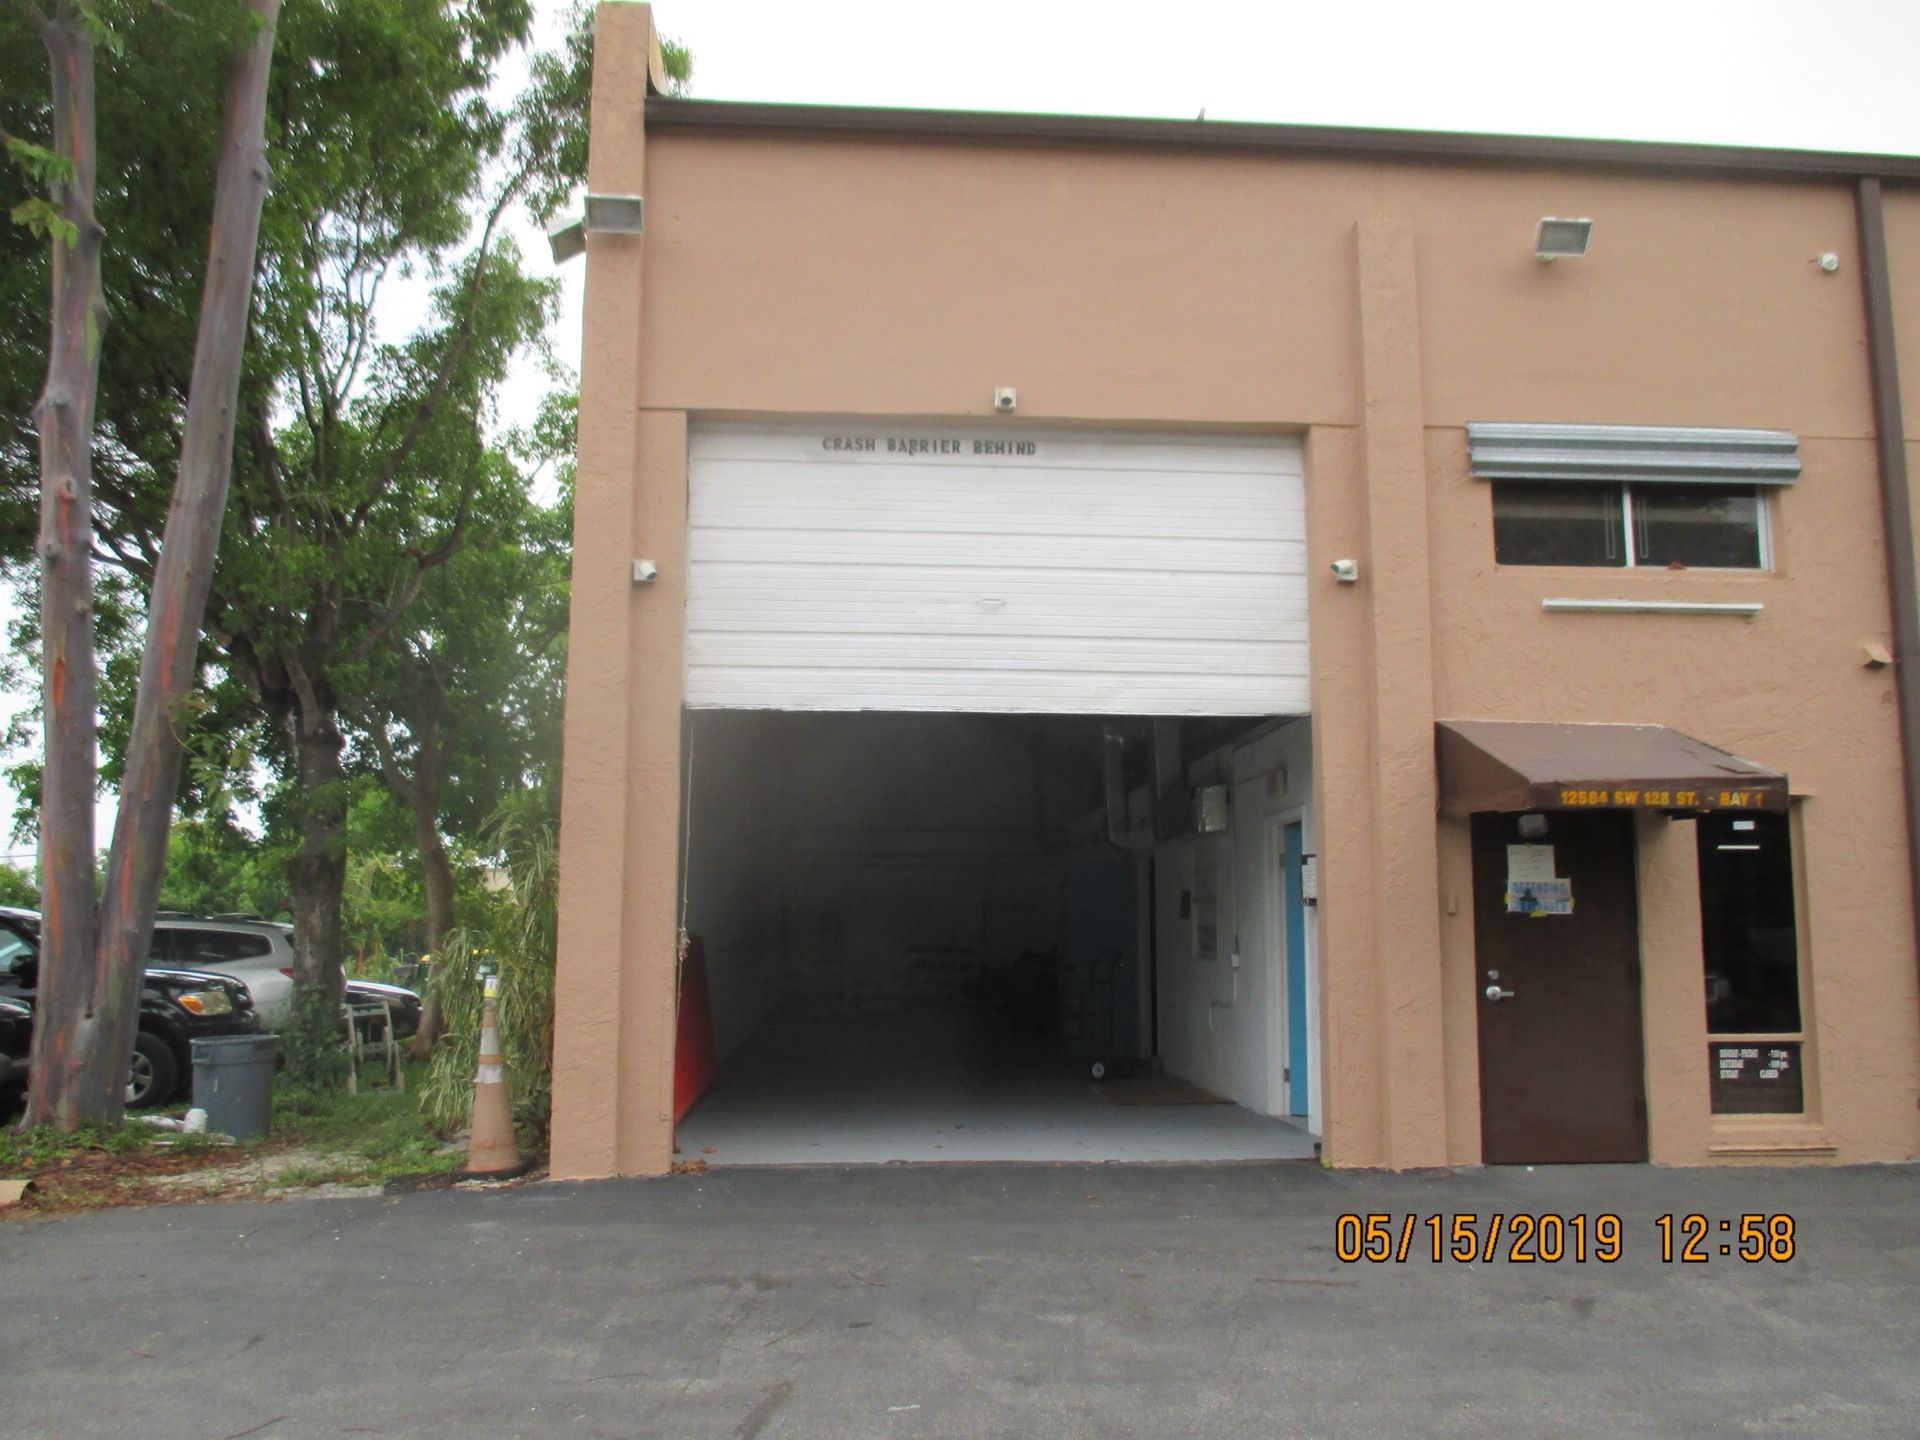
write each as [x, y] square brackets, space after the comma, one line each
[1537, 765]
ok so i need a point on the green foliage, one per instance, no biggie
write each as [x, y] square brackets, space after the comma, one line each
[369, 1138]
[385, 569]
[41, 165]
[23, 1151]
[48, 169]
[99, 28]
[312, 1043]
[520, 948]
[677, 60]
[215, 868]
[18, 887]
[43, 218]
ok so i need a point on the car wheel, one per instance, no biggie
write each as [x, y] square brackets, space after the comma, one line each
[154, 1074]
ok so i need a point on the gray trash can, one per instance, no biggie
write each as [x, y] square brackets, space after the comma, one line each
[233, 1083]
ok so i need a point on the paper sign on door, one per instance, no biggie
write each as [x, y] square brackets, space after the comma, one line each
[1530, 862]
[1532, 887]
[1540, 897]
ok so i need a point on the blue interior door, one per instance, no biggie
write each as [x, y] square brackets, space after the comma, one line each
[1293, 847]
[1101, 926]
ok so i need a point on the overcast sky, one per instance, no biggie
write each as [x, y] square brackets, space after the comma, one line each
[1821, 74]
[1813, 74]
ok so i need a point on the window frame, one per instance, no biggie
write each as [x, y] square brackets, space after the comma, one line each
[1731, 1123]
[1630, 552]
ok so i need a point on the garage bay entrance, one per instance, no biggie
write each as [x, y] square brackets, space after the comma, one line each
[990, 731]
[923, 940]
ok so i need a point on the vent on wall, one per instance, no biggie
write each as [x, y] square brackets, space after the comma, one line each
[1616, 453]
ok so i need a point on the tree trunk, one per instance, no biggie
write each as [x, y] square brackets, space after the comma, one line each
[81, 1037]
[420, 793]
[178, 600]
[436, 873]
[318, 875]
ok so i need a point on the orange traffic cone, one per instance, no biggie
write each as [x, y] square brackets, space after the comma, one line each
[490, 1147]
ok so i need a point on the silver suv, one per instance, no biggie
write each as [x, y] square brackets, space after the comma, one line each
[259, 954]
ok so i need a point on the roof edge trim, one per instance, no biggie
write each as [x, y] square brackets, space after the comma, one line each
[1260, 138]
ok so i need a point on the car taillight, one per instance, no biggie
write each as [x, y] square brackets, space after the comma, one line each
[287, 971]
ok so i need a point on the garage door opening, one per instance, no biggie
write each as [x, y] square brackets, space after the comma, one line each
[926, 934]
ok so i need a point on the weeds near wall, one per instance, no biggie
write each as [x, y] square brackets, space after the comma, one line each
[520, 946]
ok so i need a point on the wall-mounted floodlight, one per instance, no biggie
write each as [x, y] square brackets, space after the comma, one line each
[1561, 239]
[616, 214]
[568, 241]
[606, 214]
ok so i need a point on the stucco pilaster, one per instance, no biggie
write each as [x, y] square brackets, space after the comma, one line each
[597, 1053]
[1400, 713]
[1674, 1013]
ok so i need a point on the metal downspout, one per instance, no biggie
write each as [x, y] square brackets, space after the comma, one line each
[1896, 508]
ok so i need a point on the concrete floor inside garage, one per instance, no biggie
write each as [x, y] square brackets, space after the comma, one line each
[917, 938]
[933, 1088]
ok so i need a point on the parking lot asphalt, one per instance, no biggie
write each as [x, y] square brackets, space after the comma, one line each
[967, 1301]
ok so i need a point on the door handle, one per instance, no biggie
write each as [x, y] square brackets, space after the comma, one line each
[1494, 992]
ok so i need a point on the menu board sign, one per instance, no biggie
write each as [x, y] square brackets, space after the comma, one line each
[1756, 1077]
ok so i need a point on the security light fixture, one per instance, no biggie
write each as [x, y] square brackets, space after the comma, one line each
[606, 214]
[616, 214]
[1561, 239]
[568, 241]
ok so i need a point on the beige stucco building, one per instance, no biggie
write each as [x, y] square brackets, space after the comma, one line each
[1079, 559]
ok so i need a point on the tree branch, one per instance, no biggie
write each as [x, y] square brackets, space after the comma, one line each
[139, 565]
[303, 689]
[267, 455]
[389, 763]
[36, 17]
[463, 333]
[424, 561]
[246, 662]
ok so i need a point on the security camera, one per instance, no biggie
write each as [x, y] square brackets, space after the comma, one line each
[1346, 571]
[1004, 398]
[645, 572]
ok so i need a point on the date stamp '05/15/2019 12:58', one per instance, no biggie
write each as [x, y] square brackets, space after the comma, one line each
[1550, 1239]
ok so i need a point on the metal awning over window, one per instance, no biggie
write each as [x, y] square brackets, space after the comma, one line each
[1536, 765]
[1617, 454]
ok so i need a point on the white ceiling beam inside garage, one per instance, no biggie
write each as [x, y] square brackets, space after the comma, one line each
[926, 569]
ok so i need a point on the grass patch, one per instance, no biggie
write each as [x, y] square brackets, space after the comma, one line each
[369, 1138]
[345, 1171]
[317, 1138]
[24, 1151]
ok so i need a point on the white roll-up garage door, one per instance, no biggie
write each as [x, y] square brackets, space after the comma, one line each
[847, 566]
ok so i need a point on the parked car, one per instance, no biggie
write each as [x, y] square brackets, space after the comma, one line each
[259, 954]
[16, 1036]
[177, 1006]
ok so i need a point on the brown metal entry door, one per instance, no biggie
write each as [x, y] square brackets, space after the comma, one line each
[1561, 1073]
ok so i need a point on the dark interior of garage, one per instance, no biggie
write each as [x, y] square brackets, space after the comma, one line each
[920, 942]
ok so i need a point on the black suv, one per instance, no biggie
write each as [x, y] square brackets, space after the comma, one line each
[16, 1035]
[176, 1007]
